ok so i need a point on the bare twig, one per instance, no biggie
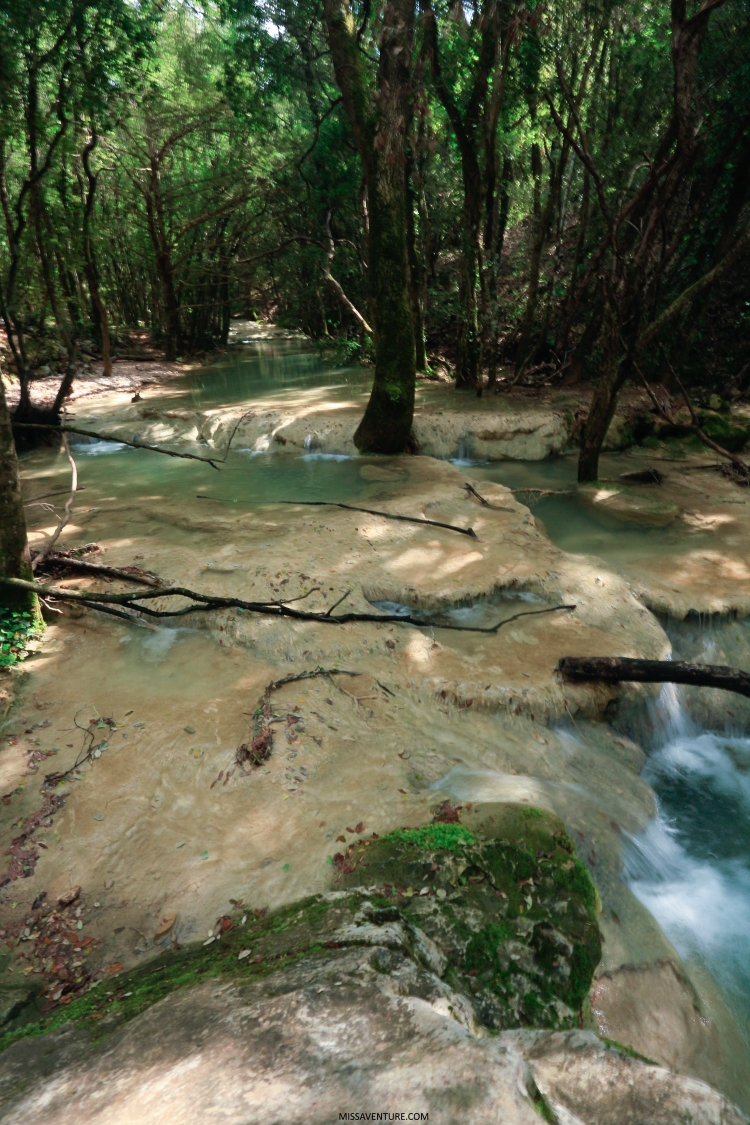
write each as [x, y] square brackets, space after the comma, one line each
[63, 520]
[46, 495]
[261, 745]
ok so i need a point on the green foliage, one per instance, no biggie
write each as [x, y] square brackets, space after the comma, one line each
[223, 155]
[16, 631]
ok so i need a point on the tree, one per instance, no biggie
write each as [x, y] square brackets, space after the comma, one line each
[15, 561]
[380, 119]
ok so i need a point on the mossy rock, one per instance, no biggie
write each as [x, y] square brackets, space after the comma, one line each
[508, 920]
[724, 431]
[504, 899]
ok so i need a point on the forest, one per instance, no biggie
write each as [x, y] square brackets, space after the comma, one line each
[534, 192]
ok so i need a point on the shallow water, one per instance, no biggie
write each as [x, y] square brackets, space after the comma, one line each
[250, 478]
[269, 370]
[571, 523]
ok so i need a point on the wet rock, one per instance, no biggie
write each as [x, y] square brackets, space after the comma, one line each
[621, 506]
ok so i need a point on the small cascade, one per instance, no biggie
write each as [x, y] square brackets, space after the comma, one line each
[465, 454]
[691, 866]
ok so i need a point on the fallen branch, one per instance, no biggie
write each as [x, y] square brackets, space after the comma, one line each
[63, 519]
[386, 515]
[207, 602]
[130, 574]
[214, 462]
[485, 503]
[546, 491]
[351, 508]
[742, 467]
[261, 745]
[614, 669]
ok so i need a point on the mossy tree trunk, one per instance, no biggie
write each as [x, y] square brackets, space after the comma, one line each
[380, 120]
[14, 547]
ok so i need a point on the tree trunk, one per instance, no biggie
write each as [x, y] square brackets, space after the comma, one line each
[14, 547]
[99, 312]
[415, 275]
[603, 404]
[380, 136]
[163, 260]
[467, 359]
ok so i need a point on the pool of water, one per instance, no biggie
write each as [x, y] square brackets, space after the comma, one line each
[574, 526]
[271, 370]
[120, 472]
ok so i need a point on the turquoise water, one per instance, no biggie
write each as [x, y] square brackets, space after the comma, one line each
[270, 370]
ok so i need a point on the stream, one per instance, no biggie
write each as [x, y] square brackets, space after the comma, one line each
[690, 867]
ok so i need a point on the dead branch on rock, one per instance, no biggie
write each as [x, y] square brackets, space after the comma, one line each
[129, 573]
[485, 503]
[546, 491]
[63, 519]
[353, 508]
[133, 600]
[613, 669]
[385, 515]
[214, 462]
[664, 412]
[261, 745]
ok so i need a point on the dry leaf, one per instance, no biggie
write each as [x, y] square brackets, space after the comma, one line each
[165, 926]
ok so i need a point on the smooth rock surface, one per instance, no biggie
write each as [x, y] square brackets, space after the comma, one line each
[331, 1037]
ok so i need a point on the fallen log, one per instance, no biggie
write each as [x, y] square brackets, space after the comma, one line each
[614, 669]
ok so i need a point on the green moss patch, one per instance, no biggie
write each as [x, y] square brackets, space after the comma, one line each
[274, 941]
[502, 896]
[506, 900]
